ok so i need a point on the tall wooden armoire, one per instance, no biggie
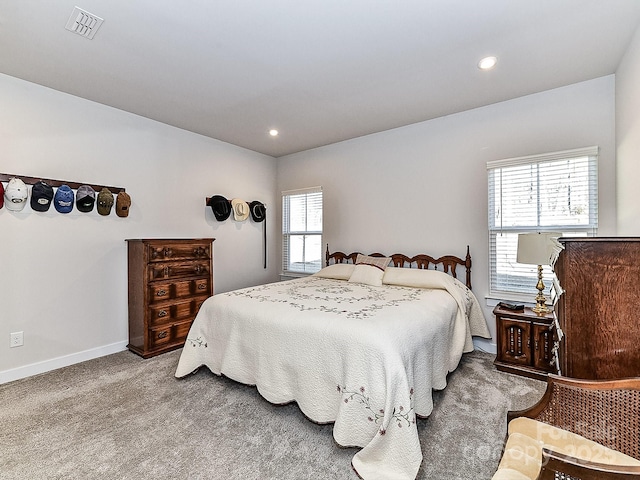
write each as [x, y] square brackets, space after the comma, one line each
[599, 310]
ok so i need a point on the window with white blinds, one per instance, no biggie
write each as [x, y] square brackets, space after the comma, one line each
[550, 192]
[302, 230]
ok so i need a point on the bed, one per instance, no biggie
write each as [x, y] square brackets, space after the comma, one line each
[359, 345]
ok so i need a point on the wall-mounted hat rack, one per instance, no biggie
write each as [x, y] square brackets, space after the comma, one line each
[5, 177]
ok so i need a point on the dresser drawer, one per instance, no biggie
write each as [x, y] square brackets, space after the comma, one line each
[180, 331]
[168, 271]
[169, 334]
[159, 336]
[172, 312]
[173, 251]
[160, 292]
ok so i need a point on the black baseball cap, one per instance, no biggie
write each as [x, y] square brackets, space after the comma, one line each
[41, 196]
[85, 198]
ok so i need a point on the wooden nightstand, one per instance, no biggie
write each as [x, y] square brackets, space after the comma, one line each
[525, 342]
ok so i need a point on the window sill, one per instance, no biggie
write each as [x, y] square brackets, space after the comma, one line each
[494, 300]
[292, 275]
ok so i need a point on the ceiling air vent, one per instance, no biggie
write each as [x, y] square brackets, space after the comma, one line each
[83, 23]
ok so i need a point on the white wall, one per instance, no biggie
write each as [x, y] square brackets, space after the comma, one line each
[420, 188]
[628, 139]
[64, 277]
[423, 188]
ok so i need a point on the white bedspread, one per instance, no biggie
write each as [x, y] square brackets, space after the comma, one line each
[363, 357]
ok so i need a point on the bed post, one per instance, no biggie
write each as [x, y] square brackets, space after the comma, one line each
[467, 264]
[326, 256]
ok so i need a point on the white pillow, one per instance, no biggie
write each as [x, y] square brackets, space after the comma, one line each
[407, 277]
[369, 270]
[338, 271]
[417, 277]
[367, 274]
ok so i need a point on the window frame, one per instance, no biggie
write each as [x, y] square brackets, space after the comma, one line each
[527, 274]
[287, 232]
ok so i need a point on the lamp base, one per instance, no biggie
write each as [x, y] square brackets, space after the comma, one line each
[541, 309]
[541, 301]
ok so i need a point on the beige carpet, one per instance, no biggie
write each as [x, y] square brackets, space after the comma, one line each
[122, 417]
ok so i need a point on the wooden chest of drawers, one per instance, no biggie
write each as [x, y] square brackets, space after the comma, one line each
[168, 281]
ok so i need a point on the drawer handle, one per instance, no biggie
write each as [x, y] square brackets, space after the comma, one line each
[168, 252]
[198, 268]
[163, 334]
[162, 313]
[201, 286]
[161, 293]
[199, 251]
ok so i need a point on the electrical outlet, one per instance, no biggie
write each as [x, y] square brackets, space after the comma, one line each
[17, 339]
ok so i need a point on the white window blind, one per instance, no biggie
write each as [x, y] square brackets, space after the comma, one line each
[302, 230]
[550, 192]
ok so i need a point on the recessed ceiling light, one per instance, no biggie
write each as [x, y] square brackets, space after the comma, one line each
[273, 132]
[487, 63]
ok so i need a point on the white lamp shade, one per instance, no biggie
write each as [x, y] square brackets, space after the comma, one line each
[536, 248]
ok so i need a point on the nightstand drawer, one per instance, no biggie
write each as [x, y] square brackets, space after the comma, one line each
[544, 351]
[515, 344]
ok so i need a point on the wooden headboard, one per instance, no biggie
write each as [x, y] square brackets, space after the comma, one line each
[448, 263]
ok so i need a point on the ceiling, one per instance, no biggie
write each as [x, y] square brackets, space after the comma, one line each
[318, 71]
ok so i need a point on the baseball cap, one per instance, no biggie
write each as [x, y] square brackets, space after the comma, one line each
[105, 201]
[41, 196]
[123, 202]
[85, 198]
[63, 199]
[16, 195]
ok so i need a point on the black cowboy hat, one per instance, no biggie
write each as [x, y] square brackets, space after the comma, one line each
[220, 206]
[258, 211]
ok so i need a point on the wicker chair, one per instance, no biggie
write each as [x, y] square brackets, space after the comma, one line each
[604, 411]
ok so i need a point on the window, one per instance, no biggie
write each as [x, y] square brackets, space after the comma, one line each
[302, 230]
[550, 192]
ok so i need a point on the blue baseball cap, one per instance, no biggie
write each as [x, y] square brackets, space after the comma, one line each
[63, 200]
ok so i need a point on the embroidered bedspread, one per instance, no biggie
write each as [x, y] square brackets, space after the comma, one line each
[363, 357]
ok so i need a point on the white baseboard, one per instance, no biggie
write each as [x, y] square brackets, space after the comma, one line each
[59, 362]
[485, 345]
[7, 376]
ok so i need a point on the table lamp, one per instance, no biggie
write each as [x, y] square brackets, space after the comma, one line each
[537, 249]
